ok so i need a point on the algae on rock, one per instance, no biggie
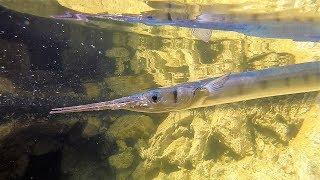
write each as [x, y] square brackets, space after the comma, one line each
[122, 160]
[132, 126]
[92, 127]
[107, 6]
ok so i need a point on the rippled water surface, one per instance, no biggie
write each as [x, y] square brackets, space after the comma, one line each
[47, 63]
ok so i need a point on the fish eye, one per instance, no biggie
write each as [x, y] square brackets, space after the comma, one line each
[154, 98]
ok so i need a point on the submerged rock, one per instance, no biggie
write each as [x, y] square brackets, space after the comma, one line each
[91, 127]
[177, 152]
[6, 129]
[233, 141]
[22, 139]
[93, 90]
[107, 6]
[45, 146]
[41, 148]
[6, 85]
[126, 85]
[305, 147]
[132, 126]
[122, 160]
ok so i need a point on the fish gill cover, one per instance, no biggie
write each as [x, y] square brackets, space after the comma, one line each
[268, 138]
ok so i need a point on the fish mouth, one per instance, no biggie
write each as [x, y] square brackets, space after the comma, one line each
[121, 103]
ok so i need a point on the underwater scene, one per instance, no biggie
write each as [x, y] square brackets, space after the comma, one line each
[136, 89]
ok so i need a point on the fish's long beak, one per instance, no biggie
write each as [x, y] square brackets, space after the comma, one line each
[121, 103]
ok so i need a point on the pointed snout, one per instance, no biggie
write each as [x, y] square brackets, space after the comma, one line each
[121, 103]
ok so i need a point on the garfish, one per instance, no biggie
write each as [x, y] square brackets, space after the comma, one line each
[289, 24]
[229, 88]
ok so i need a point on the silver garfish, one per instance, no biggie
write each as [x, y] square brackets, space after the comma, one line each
[284, 25]
[228, 88]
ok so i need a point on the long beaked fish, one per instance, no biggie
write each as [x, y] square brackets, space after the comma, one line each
[271, 25]
[233, 87]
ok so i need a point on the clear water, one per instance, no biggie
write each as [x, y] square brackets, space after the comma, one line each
[47, 63]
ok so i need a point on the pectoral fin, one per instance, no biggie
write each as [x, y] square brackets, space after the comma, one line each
[201, 92]
[202, 34]
[216, 84]
[211, 87]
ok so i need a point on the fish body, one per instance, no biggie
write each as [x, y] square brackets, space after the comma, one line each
[295, 30]
[228, 88]
[262, 25]
[266, 83]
